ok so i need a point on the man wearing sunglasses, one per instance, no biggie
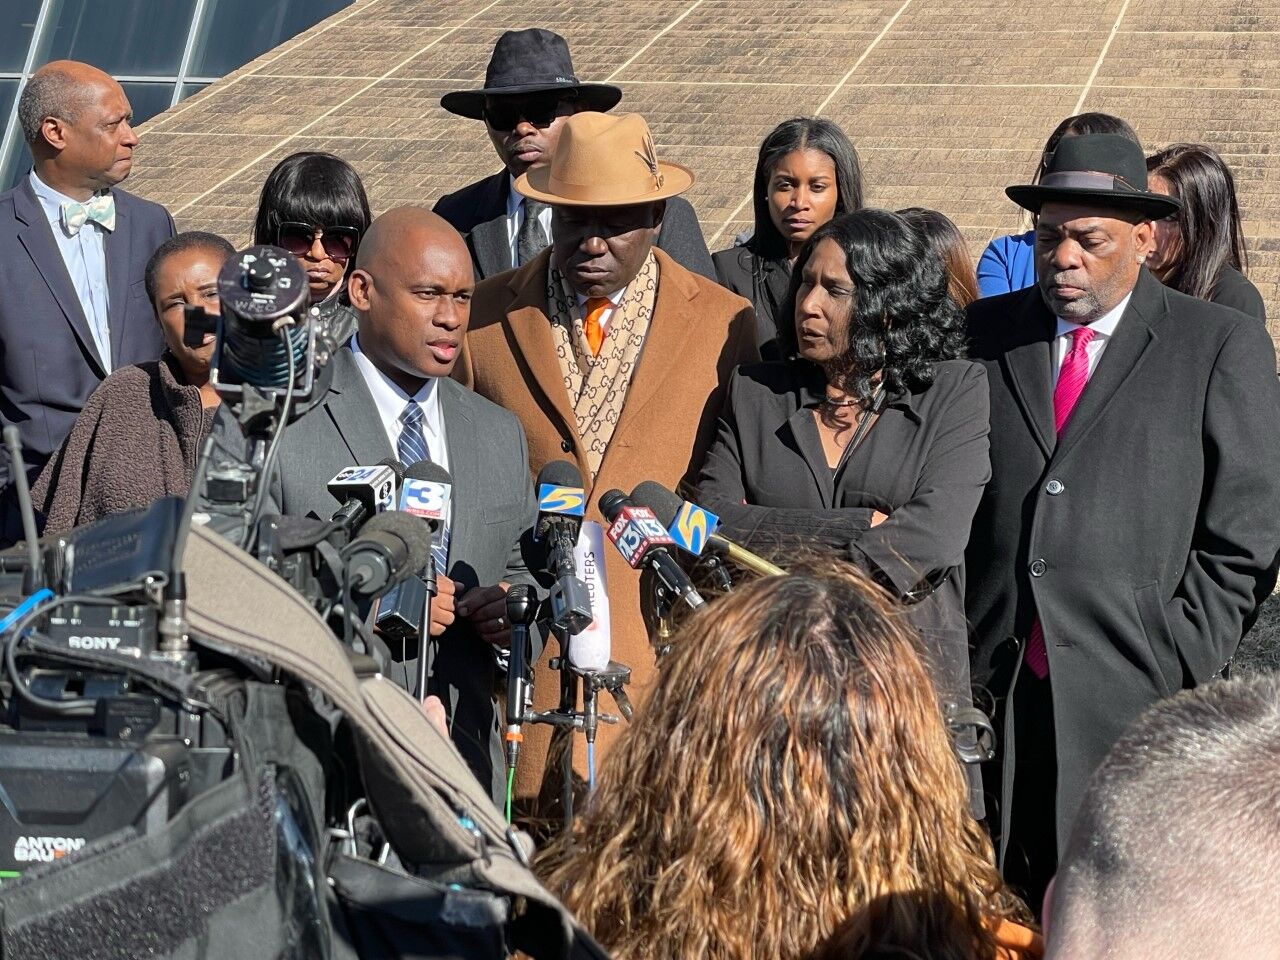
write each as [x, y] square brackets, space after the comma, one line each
[529, 89]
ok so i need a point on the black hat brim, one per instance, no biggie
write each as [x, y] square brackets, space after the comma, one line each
[592, 96]
[1033, 196]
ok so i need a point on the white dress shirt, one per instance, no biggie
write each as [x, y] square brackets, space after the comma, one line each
[391, 401]
[1103, 328]
[515, 219]
[85, 255]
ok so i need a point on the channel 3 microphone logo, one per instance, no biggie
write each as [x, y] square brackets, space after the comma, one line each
[692, 527]
[425, 499]
[565, 500]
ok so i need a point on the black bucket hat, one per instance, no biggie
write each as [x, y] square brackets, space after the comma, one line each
[530, 61]
[1102, 168]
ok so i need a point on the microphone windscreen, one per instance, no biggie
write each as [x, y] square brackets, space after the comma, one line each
[611, 504]
[396, 466]
[413, 531]
[664, 504]
[559, 473]
[427, 470]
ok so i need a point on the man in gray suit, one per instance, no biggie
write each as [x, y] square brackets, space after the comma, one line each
[73, 250]
[391, 395]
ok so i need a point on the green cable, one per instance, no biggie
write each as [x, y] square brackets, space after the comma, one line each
[511, 787]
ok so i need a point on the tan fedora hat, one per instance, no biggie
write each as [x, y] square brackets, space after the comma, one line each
[604, 160]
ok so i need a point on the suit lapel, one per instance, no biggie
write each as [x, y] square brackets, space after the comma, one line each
[119, 249]
[492, 251]
[1029, 366]
[354, 414]
[36, 237]
[1123, 355]
[464, 464]
[671, 327]
[530, 327]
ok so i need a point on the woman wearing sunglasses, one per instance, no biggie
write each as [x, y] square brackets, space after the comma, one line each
[314, 206]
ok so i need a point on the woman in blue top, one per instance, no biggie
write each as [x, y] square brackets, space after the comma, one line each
[1008, 263]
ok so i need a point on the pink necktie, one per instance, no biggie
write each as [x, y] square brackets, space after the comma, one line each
[1071, 380]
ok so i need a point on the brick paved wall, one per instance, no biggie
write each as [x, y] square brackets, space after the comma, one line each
[947, 101]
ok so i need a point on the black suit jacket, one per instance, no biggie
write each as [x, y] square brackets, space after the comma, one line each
[764, 282]
[490, 540]
[479, 213]
[1146, 537]
[48, 361]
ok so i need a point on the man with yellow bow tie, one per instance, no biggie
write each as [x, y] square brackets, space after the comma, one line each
[73, 251]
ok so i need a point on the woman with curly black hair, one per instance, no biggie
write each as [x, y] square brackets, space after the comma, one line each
[872, 438]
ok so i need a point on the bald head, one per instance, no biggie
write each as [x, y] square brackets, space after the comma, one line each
[402, 231]
[76, 121]
[412, 287]
[1176, 848]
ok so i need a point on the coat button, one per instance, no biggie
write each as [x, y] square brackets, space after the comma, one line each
[566, 446]
[1038, 567]
[1054, 487]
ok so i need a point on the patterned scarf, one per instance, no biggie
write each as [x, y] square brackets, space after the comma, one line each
[597, 386]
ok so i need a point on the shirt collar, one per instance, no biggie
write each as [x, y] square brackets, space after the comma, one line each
[615, 298]
[1104, 327]
[50, 199]
[387, 395]
[813, 391]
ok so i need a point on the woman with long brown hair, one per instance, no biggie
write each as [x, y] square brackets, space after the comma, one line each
[789, 775]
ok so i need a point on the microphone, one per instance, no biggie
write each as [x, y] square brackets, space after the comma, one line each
[522, 609]
[425, 494]
[364, 491]
[390, 546]
[561, 504]
[643, 542]
[693, 528]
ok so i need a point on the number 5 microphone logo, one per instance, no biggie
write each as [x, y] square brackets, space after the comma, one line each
[692, 526]
[566, 500]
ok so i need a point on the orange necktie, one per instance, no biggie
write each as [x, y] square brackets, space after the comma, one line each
[596, 306]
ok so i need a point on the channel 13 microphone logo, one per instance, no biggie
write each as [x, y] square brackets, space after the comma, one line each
[692, 526]
[565, 500]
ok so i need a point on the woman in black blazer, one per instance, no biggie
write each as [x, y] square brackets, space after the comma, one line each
[873, 437]
[807, 173]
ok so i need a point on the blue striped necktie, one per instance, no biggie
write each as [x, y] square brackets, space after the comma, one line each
[412, 449]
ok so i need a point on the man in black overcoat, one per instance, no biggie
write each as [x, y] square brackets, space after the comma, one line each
[529, 89]
[1131, 525]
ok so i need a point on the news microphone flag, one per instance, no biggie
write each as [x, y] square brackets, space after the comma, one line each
[692, 528]
[635, 532]
[567, 501]
[430, 500]
[379, 481]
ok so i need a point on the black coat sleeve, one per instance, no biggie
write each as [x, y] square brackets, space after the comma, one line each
[722, 490]
[928, 533]
[1232, 565]
[681, 238]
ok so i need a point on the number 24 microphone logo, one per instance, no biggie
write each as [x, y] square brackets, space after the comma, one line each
[568, 500]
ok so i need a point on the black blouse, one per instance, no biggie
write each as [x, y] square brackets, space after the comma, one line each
[924, 462]
[762, 281]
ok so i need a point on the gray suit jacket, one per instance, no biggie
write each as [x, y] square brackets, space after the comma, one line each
[479, 212]
[490, 540]
[48, 361]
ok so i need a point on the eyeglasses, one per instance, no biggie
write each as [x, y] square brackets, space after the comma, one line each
[338, 243]
[506, 113]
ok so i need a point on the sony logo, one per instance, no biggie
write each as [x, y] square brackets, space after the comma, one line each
[93, 643]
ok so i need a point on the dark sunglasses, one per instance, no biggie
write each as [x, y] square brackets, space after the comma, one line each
[338, 243]
[506, 113]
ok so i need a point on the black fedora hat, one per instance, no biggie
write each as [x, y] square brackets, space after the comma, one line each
[530, 61]
[1102, 168]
